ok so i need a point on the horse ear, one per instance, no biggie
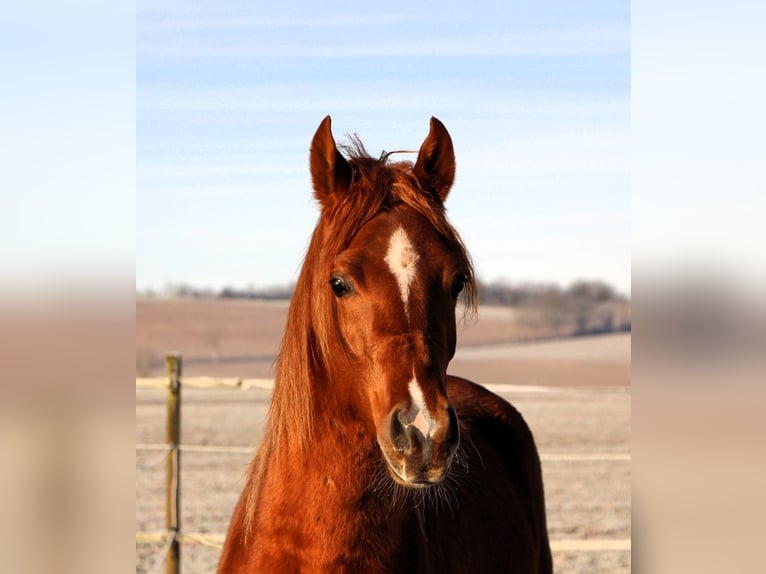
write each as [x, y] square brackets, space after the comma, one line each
[330, 172]
[435, 166]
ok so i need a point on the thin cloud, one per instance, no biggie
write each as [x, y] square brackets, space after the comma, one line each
[271, 23]
[351, 95]
[608, 40]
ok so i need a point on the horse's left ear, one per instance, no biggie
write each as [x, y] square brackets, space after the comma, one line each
[435, 166]
[330, 172]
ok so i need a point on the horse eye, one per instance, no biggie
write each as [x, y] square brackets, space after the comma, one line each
[339, 286]
[458, 285]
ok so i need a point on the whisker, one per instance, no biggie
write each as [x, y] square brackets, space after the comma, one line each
[466, 436]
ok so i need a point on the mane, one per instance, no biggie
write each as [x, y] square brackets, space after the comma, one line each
[378, 185]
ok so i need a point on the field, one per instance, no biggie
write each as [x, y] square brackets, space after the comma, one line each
[574, 393]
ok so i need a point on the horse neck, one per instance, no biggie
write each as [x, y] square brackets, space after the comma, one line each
[329, 499]
[338, 445]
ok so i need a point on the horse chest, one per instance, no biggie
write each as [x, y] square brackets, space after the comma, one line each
[323, 517]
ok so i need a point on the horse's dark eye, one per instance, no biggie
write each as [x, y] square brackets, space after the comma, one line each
[458, 285]
[339, 286]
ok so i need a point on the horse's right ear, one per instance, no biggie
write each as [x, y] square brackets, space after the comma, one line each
[330, 172]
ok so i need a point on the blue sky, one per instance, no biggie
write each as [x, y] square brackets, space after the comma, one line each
[228, 95]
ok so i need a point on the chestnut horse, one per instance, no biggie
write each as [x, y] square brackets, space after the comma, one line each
[374, 459]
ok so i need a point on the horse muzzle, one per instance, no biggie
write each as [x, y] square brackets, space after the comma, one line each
[419, 449]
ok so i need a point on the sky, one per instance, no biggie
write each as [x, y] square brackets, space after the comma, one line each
[535, 95]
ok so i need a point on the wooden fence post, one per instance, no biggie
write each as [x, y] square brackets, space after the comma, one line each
[173, 465]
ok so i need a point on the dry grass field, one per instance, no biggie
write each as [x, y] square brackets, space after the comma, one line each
[574, 393]
[221, 337]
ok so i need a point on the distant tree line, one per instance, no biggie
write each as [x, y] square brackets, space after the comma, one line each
[183, 290]
[541, 294]
[584, 307]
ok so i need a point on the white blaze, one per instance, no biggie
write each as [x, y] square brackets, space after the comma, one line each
[423, 421]
[402, 258]
[402, 261]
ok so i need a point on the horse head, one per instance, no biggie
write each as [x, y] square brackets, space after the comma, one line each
[391, 269]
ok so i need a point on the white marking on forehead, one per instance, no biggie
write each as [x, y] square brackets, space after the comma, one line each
[402, 258]
[423, 421]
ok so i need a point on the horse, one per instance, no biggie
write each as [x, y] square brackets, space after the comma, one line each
[374, 459]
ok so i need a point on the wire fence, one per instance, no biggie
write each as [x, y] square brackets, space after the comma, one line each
[170, 452]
